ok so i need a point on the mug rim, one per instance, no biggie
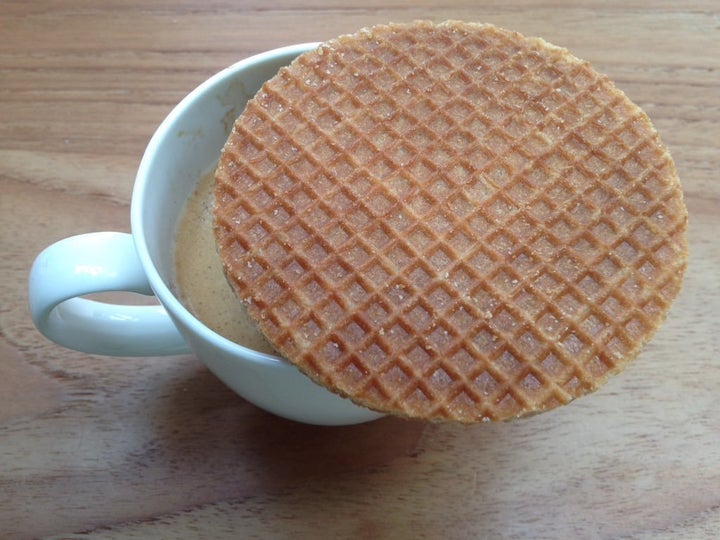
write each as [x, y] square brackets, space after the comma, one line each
[142, 180]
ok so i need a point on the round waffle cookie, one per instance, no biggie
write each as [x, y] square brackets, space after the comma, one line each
[450, 221]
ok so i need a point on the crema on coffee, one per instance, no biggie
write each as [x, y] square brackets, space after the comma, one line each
[200, 283]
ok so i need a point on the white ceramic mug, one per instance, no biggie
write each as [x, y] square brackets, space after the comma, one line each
[185, 145]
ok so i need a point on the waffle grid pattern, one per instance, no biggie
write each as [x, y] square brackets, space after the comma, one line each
[450, 221]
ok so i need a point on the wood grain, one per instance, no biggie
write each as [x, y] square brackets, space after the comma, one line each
[97, 448]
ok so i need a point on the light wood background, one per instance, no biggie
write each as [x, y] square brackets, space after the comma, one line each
[98, 448]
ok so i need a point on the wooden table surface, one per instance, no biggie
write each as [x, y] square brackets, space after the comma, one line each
[94, 447]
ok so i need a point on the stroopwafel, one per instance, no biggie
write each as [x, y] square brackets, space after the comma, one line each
[450, 221]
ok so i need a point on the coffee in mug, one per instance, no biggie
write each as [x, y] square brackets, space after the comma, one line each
[200, 282]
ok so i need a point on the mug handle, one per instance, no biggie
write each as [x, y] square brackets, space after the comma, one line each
[92, 263]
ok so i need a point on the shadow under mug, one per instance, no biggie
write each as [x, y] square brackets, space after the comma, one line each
[184, 146]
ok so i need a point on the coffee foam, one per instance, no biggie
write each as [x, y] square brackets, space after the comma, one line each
[200, 283]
